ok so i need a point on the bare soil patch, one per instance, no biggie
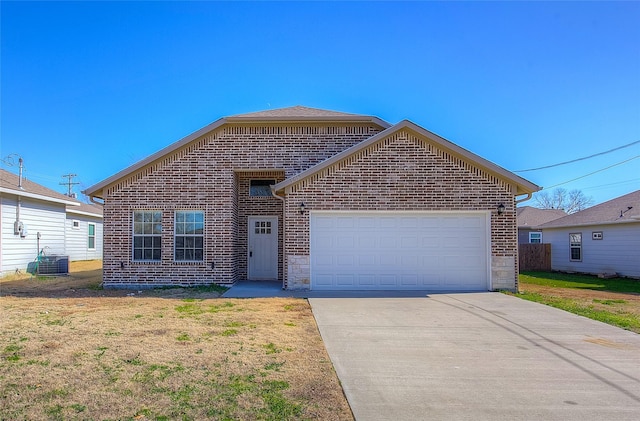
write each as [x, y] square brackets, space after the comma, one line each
[70, 350]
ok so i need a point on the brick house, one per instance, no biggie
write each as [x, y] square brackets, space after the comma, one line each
[316, 199]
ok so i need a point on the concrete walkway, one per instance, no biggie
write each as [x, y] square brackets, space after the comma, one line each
[481, 356]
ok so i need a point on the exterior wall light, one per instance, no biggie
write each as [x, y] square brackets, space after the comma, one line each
[500, 209]
[302, 207]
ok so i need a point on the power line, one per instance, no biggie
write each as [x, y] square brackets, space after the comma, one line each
[69, 183]
[581, 159]
[595, 172]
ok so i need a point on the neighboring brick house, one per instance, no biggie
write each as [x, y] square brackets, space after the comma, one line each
[529, 219]
[317, 199]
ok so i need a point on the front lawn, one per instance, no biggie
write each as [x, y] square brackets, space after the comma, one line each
[72, 351]
[615, 301]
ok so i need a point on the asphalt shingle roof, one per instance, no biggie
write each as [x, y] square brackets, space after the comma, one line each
[10, 181]
[529, 216]
[296, 111]
[623, 209]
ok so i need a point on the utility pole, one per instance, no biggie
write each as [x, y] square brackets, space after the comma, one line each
[69, 183]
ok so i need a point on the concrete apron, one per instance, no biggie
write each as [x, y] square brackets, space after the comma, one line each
[478, 356]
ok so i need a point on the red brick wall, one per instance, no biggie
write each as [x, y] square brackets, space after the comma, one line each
[207, 174]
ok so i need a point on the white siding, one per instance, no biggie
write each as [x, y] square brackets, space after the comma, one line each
[78, 238]
[38, 216]
[617, 252]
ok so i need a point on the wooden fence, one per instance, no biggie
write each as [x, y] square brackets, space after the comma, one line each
[535, 257]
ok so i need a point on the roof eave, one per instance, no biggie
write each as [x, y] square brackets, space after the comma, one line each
[303, 119]
[97, 189]
[23, 193]
[79, 212]
[590, 224]
[522, 186]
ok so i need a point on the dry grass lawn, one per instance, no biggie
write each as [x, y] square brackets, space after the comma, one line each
[70, 350]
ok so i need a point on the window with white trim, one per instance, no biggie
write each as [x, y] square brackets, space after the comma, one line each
[535, 237]
[189, 236]
[91, 236]
[575, 246]
[147, 235]
[75, 224]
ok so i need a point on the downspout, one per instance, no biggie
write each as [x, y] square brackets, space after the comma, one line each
[284, 212]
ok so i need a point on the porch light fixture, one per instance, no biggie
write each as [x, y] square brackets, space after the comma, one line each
[302, 207]
[500, 209]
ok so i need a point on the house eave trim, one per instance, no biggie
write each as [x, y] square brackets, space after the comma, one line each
[590, 224]
[314, 119]
[78, 212]
[96, 189]
[37, 196]
[522, 186]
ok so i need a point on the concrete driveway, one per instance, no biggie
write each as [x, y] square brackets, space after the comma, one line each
[478, 356]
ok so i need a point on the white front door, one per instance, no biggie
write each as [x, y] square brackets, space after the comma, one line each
[263, 248]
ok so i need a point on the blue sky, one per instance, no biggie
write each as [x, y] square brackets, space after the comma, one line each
[92, 87]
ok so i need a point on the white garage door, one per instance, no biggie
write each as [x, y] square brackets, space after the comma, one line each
[399, 250]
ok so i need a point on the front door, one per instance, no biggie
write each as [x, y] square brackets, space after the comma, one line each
[263, 248]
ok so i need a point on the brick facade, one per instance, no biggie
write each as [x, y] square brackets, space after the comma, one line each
[211, 171]
[403, 173]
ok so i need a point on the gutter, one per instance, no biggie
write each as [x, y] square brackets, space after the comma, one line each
[92, 199]
[529, 195]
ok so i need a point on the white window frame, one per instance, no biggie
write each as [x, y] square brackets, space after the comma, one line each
[91, 236]
[75, 224]
[575, 243]
[535, 233]
[179, 233]
[147, 230]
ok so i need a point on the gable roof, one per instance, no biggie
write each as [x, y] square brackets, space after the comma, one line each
[530, 217]
[522, 186]
[9, 184]
[300, 113]
[281, 115]
[621, 210]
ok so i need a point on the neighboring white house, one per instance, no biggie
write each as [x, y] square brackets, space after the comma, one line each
[603, 239]
[84, 232]
[33, 218]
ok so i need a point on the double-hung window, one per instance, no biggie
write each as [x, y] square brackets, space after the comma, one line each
[189, 236]
[575, 246]
[535, 237]
[91, 237]
[147, 235]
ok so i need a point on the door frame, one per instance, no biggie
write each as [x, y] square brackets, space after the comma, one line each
[250, 234]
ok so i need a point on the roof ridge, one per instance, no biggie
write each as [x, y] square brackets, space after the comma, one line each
[295, 111]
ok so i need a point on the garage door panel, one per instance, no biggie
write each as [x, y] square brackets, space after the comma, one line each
[345, 280]
[422, 250]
